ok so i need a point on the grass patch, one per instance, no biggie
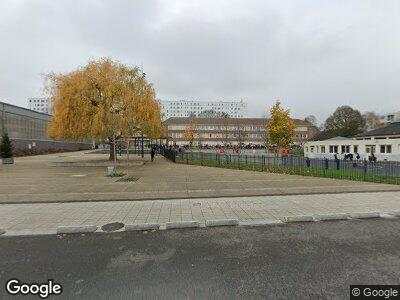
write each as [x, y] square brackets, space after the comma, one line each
[117, 174]
[292, 170]
[131, 178]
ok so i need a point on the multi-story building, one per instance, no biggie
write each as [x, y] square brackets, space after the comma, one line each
[43, 105]
[230, 131]
[186, 108]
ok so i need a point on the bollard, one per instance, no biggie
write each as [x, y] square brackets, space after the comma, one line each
[110, 170]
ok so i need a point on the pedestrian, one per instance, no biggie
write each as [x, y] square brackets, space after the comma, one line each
[152, 154]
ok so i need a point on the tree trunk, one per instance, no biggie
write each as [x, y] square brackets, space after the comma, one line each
[112, 150]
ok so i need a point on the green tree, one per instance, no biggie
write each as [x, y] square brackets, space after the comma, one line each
[212, 114]
[280, 126]
[345, 122]
[6, 147]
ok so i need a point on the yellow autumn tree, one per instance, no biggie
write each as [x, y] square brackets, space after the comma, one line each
[103, 100]
[189, 133]
[280, 126]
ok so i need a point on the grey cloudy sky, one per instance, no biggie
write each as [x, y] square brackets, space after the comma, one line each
[313, 55]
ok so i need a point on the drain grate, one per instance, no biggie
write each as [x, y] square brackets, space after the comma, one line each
[112, 226]
[128, 179]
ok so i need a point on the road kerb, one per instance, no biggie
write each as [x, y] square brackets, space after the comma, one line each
[388, 215]
[331, 217]
[143, 226]
[364, 215]
[222, 222]
[394, 213]
[30, 232]
[76, 229]
[261, 223]
[303, 218]
[182, 224]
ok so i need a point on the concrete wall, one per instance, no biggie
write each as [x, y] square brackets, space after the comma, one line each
[24, 144]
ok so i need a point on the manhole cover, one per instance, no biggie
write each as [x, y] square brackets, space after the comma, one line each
[112, 226]
[128, 179]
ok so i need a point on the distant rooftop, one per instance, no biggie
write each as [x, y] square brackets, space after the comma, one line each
[391, 129]
[338, 138]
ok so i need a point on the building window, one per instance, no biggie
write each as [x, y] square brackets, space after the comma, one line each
[322, 149]
[355, 148]
[333, 149]
[386, 148]
[345, 149]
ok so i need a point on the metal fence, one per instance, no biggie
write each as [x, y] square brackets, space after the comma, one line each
[168, 154]
[362, 170]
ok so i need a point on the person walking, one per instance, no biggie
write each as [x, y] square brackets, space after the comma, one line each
[152, 154]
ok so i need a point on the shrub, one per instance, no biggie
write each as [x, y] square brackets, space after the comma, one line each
[6, 147]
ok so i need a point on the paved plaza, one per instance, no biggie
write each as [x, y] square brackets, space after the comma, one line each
[41, 194]
[79, 176]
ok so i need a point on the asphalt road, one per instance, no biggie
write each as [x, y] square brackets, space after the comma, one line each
[299, 261]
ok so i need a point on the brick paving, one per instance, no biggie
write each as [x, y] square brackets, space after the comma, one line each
[78, 177]
[46, 217]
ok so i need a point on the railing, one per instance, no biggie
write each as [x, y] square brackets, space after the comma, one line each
[169, 154]
[362, 170]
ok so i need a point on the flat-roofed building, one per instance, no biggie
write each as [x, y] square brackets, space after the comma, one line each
[383, 142]
[22, 123]
[28, 129]
[230, 131]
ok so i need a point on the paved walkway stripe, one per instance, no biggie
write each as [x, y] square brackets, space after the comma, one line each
[16, 217]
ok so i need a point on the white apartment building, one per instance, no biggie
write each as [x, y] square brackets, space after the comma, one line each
[43, 105]
[384, 143]
[185, 108]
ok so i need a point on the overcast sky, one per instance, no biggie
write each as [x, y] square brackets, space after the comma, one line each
[313, 55]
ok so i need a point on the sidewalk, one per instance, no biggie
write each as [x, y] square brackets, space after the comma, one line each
[81, 177]
[45, 218]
